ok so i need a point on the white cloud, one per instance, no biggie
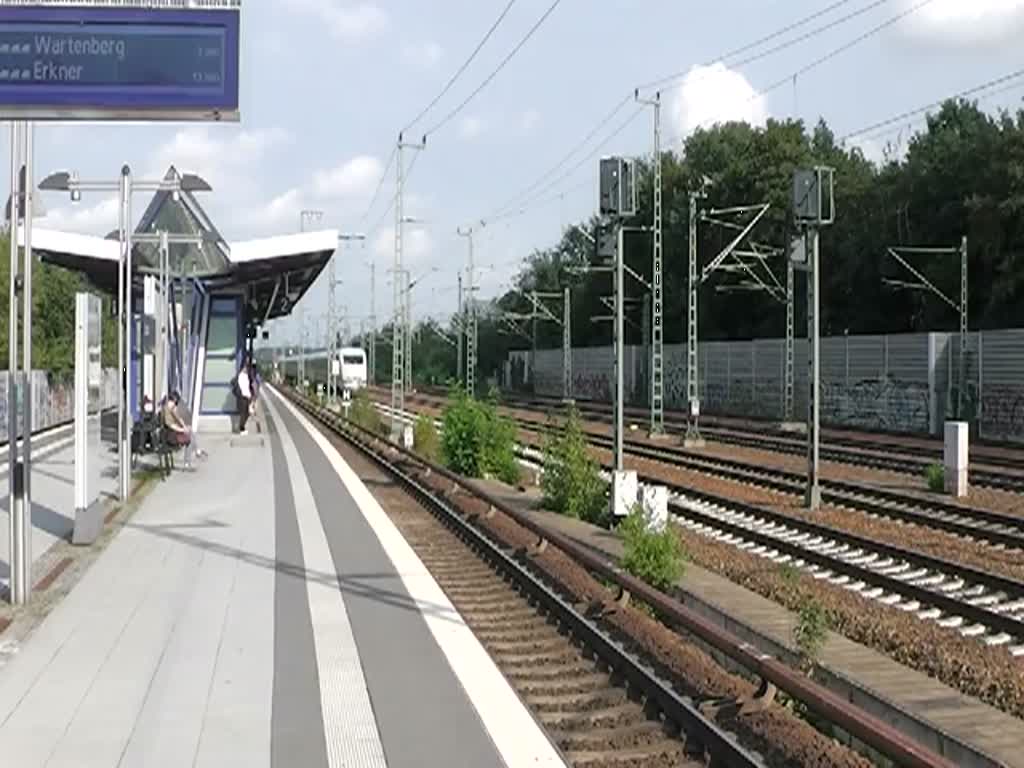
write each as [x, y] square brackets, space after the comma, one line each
[529, 121]
[220, 155]
[966, 22]
[417, 248]
[98, 219]
[716, 94]
[346, 21]
[282, 210]
[356, 178]
[471, 127]
[424, 55]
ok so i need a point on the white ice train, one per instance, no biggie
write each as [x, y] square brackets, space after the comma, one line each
[350, 368]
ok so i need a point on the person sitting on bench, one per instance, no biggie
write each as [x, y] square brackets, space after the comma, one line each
[176, 419]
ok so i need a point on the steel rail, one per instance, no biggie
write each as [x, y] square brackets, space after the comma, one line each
[845, 450]
[984, 524]
[876, 733]
[724, 747]
[967, 572]
[1008, 530]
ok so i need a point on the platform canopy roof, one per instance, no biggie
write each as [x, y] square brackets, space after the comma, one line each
[275, 271]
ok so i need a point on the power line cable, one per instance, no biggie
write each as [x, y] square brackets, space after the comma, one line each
[394, 197]
[913, 112]
[447, 118]
[565, 159]
[781, 46]
[463, 68]
[817, 62]
[609, 117]
[586, 158]
[380, 184]
[847, 46]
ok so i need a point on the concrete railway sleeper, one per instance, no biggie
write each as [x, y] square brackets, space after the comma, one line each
[877, 454]
[981, 524]
[975, 523]
[870, 730]
[956, 596]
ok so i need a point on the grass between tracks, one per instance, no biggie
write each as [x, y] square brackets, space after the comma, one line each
[990, 674]
[781, 737]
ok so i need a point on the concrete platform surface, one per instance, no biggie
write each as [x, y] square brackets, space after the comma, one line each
[260, 610]
[53, 493]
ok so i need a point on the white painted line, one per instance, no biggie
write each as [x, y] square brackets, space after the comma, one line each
[38, 453]
[515, 734]
[350, 728]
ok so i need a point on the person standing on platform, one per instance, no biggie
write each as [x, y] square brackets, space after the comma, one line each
[243, 392]
[256, 383]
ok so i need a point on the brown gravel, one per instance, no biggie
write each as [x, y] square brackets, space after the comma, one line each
[994, 499]
[929, 541]
[990, 674]
[784, 739]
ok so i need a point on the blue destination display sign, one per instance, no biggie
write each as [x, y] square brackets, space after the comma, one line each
[99, 63]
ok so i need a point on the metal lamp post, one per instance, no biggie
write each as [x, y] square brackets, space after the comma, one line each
[125, 186]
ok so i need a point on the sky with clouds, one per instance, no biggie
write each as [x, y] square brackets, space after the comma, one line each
[327, 85]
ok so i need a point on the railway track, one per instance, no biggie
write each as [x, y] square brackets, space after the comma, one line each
[970, 522]
[956, 596]
[890, 456]
[974, 523]
[565, 666]
[599, 704]
[586, 711]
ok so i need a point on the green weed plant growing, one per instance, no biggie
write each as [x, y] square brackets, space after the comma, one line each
[476, 441]
[572, 482]
[655, 557]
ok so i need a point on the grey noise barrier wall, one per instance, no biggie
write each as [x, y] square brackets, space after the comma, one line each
[896, 383]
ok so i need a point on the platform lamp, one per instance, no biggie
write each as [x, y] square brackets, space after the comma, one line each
[125, 186]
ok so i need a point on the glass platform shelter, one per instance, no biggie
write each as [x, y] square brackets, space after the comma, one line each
[198, 303]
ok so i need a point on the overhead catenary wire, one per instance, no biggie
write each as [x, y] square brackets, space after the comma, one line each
[394, 197]
[912, 125]
[919, 110]
[447, 87]
[494, 73]
[518, 200]
[833, 53]
[380, 184]
[604, 121]
[465, 65]
[680, 75]
[847, 46]
[607, 140]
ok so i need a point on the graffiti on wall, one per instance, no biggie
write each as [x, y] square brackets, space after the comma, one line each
[53, 400]
[884, 403]
[1002, 412]
[591, 386]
